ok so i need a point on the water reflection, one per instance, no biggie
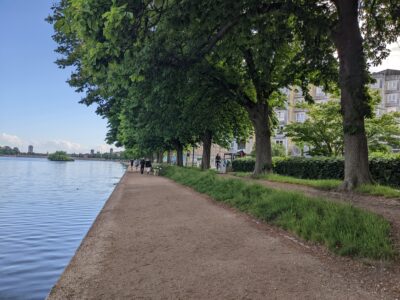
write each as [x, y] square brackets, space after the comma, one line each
[45, 210]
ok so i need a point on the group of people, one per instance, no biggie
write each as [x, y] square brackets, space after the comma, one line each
[143, 163]
[146, 164]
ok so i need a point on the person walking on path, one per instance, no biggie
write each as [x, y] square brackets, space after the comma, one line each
[218, 161]
[142, 163]
[137, 163]
[148, 166]
[131, 164]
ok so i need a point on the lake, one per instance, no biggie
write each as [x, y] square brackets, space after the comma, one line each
[46, 208]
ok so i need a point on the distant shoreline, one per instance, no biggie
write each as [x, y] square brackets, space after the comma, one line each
[75, 158]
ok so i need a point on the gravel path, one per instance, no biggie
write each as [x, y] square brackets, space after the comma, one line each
[155, 239]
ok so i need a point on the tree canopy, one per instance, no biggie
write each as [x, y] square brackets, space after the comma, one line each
[167, 74]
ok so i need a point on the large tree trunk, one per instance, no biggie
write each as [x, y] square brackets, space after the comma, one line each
[206, 156]
[160, 155]
[169, 157]
[258, 114]
[354, 103]
[179, 155]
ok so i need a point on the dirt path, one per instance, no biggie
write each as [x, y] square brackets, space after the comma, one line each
[155, 239]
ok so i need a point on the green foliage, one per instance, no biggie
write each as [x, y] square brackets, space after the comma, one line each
[343, 229]
[323, 184]
[322, 132]
[379, 190]
[243, 164]
[384, 170]
[59, 156]
[326, 184]
[278, 150]
[6, 150]
[311, 168]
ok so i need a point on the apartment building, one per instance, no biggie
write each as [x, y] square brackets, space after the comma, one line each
[387, 83]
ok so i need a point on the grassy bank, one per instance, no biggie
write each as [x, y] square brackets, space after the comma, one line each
[327, 184]
[345, 230]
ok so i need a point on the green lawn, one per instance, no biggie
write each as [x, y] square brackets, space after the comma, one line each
[327, 184]
[342, 228]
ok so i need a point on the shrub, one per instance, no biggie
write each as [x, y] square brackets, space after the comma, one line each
[245, 164]
[59, 156]
[384, 169]
[311, 168]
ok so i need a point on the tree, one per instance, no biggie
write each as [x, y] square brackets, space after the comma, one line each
[322, 131]
[340, 21]
[252, 57]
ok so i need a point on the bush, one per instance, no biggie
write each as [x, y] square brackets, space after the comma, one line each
[245, 164]
[311, 168]
[59, 156]
[384, 170]
[345, 230]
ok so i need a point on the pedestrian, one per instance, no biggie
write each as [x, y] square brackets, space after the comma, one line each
[148, 166]
[142, 163]
[137, 163]
[131, 164]
[217, 161]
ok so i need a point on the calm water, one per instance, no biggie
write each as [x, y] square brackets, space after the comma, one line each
[46, 208]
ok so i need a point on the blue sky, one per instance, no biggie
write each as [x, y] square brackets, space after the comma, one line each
[36, 104]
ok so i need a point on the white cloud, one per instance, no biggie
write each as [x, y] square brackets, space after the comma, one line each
[52, 145]
[104, 148]
[64, 145]
[10, 140]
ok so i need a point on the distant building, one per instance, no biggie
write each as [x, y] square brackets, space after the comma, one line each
[388, 84]
[30, 149]
[92, 152]
[111, 151]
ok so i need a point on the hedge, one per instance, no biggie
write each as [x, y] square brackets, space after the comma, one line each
[246, 164]
[385, 171]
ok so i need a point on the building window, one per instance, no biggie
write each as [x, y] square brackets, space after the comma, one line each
[300, 117]
[392, 85]
[280, 129]
[279, 142]
[391, 98]
[280, 115]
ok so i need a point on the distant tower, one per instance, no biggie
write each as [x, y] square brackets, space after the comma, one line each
[92, 151]
[111, 151]
[30, 149]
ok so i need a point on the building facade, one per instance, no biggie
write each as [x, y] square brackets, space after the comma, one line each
[30, 149]
[387, 83]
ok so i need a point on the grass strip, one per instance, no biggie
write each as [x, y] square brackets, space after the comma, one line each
[342, 228]
[379, 190]
[327, 184]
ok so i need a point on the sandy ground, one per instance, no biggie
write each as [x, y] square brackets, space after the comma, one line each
[155, 239]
